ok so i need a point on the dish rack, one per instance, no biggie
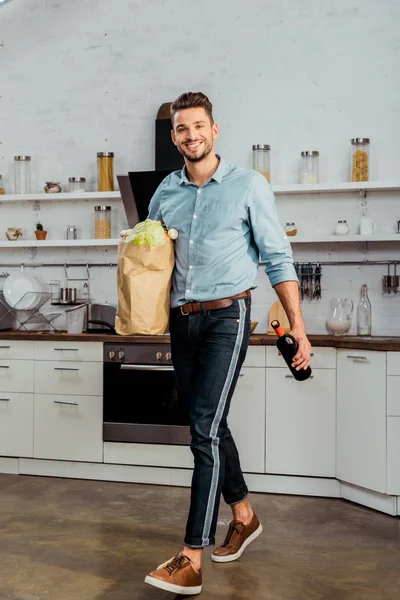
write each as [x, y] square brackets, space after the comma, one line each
[23, 317]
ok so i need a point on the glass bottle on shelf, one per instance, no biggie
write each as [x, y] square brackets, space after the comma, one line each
[309, 170]
[2, 188]
[364, 313]
[261, 160]
[360, 159]
[22, 174]
[291, 229]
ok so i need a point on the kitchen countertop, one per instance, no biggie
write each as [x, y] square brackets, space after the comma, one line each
[256, 339]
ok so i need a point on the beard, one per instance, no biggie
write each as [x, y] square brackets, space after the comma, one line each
[208, 146]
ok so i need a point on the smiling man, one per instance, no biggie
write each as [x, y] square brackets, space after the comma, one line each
[226, 219]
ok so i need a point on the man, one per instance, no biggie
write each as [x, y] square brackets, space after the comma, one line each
[226, 219]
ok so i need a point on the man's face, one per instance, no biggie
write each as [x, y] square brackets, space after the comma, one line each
[193, 133]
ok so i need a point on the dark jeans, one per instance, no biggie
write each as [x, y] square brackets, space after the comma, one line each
[208, 350]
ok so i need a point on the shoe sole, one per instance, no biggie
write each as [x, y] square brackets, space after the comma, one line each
[171, 587]
[238, 554]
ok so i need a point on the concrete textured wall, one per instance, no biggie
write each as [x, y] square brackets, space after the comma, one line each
[81, 76]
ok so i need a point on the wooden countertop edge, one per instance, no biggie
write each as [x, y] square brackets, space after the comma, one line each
[328, 341]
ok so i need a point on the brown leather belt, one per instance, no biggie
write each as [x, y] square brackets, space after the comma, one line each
[195, 307]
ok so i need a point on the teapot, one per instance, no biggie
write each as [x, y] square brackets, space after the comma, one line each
[339, 321]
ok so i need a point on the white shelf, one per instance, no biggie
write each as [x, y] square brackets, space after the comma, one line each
[333, 188]
[60, 197]
[287, 189]
[58, 243]
[376, 237]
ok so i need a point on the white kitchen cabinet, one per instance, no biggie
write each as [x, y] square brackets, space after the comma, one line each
[57, 377]
[16, 376]
[321, 358]
[16, 424]
[16, 349]
[246, 419]
[301, 423]
[361, 418]
[68, 427]
[393, 456]
[69, 351]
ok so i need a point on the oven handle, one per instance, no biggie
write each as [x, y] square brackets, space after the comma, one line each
[147, 368]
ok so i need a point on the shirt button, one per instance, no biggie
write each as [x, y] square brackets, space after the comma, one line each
[188, 291]
[194, 216]
[190, 266]
[191, 242]
[199, 191]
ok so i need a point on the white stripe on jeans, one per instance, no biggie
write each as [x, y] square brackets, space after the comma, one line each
[216, 422]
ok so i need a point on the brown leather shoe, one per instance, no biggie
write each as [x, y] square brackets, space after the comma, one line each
[176, 575]
[237, 539]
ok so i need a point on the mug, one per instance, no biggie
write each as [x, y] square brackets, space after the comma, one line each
[367, 226]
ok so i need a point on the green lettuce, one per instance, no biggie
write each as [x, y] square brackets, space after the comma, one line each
[147, 233]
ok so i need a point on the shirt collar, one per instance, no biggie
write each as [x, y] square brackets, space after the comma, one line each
[218, 175]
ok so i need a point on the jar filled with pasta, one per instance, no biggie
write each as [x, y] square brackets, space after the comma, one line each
[102, 226]
[360, 159]
[105, 171]
[261, 162]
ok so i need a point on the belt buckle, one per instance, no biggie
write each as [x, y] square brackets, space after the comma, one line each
[185, 314]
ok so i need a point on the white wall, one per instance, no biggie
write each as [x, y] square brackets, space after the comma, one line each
[81, 76]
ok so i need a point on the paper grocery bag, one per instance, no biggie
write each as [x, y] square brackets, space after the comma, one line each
[144, 283]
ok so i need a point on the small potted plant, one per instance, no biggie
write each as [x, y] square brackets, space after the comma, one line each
[40, 233]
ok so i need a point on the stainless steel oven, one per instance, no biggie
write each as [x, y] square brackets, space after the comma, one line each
[141, 399]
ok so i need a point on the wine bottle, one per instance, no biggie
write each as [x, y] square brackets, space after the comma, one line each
[287, 346]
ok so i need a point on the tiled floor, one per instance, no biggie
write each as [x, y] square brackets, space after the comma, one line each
[66, 539]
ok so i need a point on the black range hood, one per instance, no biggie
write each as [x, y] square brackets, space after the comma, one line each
[137, 188]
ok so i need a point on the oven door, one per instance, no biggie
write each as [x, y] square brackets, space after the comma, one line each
[142, 404]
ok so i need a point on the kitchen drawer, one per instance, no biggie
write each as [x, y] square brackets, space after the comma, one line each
[393, 363]
[68, 427]
[19, 350]
[55, 377]
[16, 375]
[393, 396]
[69, 351]
[16, 424]
[322, 358]
[152, 455]
[255, 357]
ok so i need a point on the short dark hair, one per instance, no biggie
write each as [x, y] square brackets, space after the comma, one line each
[192, 100]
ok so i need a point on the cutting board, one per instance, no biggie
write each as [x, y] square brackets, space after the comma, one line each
[277, 313]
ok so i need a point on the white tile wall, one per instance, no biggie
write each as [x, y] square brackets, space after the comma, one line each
[78, 78]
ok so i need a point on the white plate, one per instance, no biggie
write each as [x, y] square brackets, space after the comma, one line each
[18, 284]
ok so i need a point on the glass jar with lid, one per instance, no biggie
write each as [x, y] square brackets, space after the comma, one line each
[309, 167]
[290, 229]
[22, 174]
[261, 160]
[360, 159]
[2, 188]
[77, 184]
[105, 171]
[102, 226]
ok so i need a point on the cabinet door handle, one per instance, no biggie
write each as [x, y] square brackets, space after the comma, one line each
[312, 354]
[5, 347]
[4, 366]
[66, 349]
[65, 369]
[68, 403]
[146, 367]
[4, 399]
[354, 357]
[291, 377]
[241, 374]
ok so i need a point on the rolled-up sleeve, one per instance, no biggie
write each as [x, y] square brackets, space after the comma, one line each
[273, 246]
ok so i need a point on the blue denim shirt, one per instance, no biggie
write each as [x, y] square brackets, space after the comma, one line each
[225, 227]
